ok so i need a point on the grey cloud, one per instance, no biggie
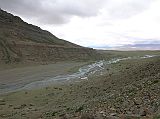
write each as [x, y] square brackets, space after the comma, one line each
[61, 11]
[52, 11]
[126, 8]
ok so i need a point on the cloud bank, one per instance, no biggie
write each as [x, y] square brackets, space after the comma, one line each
[93, 23]
[52, 11]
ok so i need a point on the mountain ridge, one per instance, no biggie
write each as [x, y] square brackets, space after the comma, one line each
[20, 41]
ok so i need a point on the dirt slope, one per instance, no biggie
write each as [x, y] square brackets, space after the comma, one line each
[23, 42]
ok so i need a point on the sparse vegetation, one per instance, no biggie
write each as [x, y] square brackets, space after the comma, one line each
[21, 42]
[128, 89]
[128, 92]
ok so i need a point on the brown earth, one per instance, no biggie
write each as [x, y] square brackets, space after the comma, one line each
[127, 90]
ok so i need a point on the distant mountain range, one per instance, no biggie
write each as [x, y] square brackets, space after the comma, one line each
[136, 47]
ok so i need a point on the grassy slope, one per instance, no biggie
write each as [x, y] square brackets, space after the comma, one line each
[14, 31]
[13, 28]
[129, 87]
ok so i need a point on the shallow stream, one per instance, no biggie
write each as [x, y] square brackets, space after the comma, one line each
[82, 74]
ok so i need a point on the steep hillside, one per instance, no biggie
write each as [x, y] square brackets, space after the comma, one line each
[20, 41]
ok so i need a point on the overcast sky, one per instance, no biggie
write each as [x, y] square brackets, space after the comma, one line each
[93, 23]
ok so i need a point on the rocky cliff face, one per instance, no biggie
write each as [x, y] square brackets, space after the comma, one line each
[20, 41]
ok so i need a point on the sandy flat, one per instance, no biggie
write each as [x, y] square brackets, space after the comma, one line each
[22, 76]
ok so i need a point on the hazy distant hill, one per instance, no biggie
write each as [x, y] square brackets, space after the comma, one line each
[20, 41]
[136, 47]
[146, 46]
